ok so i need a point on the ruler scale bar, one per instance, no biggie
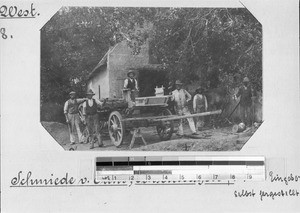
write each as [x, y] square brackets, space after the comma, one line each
[116, 163]
[181, 170]
[152, 172]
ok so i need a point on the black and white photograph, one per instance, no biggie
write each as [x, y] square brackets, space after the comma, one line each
[149, 106]
[151, 78]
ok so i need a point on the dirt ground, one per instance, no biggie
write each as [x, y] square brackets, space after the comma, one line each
[222, 139]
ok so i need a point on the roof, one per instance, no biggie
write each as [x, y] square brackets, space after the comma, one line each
[102, 62]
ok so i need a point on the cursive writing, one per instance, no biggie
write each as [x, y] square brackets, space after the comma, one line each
[245, 193]
[273, 178]
[286, 180]
[27, 180]
[281, 193]
[10, 12]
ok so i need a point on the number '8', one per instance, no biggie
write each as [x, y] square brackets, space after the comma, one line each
[2, 31]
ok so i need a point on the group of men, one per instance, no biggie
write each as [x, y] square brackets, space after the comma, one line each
[179, 96]
[89, 117]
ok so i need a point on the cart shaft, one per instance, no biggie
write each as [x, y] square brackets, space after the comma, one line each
[156, 119]
[191, 115]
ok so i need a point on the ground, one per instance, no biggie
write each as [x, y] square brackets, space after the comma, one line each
[221, 139]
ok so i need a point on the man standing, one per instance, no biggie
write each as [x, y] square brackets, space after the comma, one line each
[72, 116]
[130, 88]
[181, 98]
[199, 105]
[245, 94]
[91, 118]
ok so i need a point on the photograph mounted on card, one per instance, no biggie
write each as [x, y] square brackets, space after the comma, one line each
[124, 101]
[151, 79]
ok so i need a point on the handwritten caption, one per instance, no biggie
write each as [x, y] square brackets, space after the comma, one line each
[26, 180]
[275, 179]
[10, 12]
[4, 34]
[14, 12]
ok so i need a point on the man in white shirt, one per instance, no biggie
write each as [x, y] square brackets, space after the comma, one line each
[91, 118]
[130, 88]
[181, 98]
[72, 116]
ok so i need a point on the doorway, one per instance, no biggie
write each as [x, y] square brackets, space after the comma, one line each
[149, 79]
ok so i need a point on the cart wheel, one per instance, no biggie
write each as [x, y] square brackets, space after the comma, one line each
[116, 128]
[166, 128]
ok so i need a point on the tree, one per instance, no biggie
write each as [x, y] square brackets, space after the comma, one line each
[219, 45]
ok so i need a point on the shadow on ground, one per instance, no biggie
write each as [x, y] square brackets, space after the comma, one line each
[222, 139]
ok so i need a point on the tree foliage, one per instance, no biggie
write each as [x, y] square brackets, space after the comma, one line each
[216, 45]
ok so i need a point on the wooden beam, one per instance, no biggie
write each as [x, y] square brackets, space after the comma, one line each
[148, 118]
[191, 115]
[172, 117]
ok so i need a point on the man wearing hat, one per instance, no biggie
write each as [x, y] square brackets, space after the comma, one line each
[130, 88]
[245, 93]
[91, 118]
[72, 116]
[181, 98]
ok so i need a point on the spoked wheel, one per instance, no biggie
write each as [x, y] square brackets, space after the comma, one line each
[116, 128]
[166, 128]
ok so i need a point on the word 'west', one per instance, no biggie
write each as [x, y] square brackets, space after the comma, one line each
[15, 12]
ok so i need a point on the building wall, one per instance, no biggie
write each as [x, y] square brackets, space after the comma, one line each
[120, 59]
[102, 79]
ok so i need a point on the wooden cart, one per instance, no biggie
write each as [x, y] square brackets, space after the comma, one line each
[148, 111]
[118, 120]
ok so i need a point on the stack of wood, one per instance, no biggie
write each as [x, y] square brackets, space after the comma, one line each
[114, 104]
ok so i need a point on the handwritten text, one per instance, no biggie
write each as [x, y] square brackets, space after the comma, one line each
[10, 12]
[272, 194]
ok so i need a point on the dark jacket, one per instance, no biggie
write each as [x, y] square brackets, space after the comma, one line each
[246, 95]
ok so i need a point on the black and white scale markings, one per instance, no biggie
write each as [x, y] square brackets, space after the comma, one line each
[149, 170]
